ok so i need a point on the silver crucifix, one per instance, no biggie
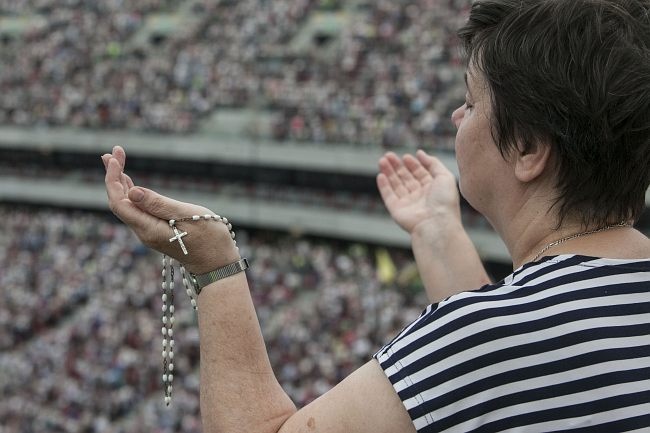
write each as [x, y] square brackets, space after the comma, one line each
[178, 237]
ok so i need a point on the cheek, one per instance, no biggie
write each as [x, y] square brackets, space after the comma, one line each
[462, 155]
[463, 141]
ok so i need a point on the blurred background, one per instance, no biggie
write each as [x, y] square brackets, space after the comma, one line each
[272, 112]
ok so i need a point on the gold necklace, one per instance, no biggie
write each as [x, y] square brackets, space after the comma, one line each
[577, 235]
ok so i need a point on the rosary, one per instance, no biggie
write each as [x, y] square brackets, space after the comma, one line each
[192, 284]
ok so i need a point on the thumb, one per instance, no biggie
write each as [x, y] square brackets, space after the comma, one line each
[158, 205]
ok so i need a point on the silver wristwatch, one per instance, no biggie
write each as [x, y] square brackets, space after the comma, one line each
[218, 274]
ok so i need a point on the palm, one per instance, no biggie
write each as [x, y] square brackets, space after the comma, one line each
[417, 190]
[149, 219]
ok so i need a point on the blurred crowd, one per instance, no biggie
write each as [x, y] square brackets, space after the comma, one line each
[80, 337]
[390, 77]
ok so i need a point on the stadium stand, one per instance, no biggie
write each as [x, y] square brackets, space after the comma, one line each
[79, 334]
[386, 74]
[296, 97]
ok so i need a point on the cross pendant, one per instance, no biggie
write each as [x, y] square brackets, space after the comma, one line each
[178, 237]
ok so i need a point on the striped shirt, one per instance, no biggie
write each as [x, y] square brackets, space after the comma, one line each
[560, 344]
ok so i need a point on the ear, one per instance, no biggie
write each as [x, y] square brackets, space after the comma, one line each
[531, 163]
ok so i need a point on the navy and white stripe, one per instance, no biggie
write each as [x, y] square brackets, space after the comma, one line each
[560, 344]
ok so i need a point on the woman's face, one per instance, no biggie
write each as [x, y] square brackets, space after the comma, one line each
[480, 164]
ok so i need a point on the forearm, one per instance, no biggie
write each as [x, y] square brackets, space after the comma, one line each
[239, 392]
[447, 259]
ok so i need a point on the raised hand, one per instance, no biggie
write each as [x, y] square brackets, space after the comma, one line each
[421, 195]
[417, 190]
[147, 213]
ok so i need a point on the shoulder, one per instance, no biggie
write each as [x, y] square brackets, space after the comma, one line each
[500, 335]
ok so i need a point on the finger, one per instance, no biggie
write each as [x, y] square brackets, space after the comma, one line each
[140, 222]
[113, 180]
[120, 155]
[404, 174]
[105, 158]
[129, 182]
[125, 183]
[160, 206]
[119, 202]
[385, 189]
[394, 179]
[432, 164]
[417, 169]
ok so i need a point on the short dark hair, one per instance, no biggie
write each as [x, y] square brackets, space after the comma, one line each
[575, 74]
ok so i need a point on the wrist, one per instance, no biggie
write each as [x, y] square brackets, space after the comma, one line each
[218, 253]
[210, 242]
[202, 280]
[437, 228]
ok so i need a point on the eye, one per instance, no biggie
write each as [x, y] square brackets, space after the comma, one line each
[468, 106]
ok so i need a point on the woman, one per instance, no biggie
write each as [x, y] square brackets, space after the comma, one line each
[553, 147]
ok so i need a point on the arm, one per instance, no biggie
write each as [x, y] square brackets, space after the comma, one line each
[239, 392]
[421, 195]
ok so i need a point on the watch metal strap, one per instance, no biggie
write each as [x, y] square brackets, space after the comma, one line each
[221, 273]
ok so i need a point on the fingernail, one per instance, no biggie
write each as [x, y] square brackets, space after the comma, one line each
[136, 194]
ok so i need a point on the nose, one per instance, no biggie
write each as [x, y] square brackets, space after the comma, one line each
[457, 115]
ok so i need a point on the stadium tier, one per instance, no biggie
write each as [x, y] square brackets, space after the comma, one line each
[381, 73]
[78, 351]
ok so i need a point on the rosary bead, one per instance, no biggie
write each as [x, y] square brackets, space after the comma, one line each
[164, 343]
[171, 343]
[229, 226]
[164, 320]
[232, 235]
[195, 217]
[164, 354]
[163, 285]
[171, 367]
[170, 377]
[170, 332]
[168, 400]
[169, 389]
[207, 216]
[171, 285]
[163, 272]
[171, 320]
[164, 331]
[193, 302]
[164, 378]
[171, 354]
[225, 220]
[189, 292]
[217, 217]
[164, 297]
[164, 307]
[171, 308]
[171, 223]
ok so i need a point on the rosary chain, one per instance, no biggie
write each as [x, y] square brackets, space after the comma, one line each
[168, 296]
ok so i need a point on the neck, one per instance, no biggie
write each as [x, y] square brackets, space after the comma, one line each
[613, 240]
[527, 226]
[530, 232]
[577, 235]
